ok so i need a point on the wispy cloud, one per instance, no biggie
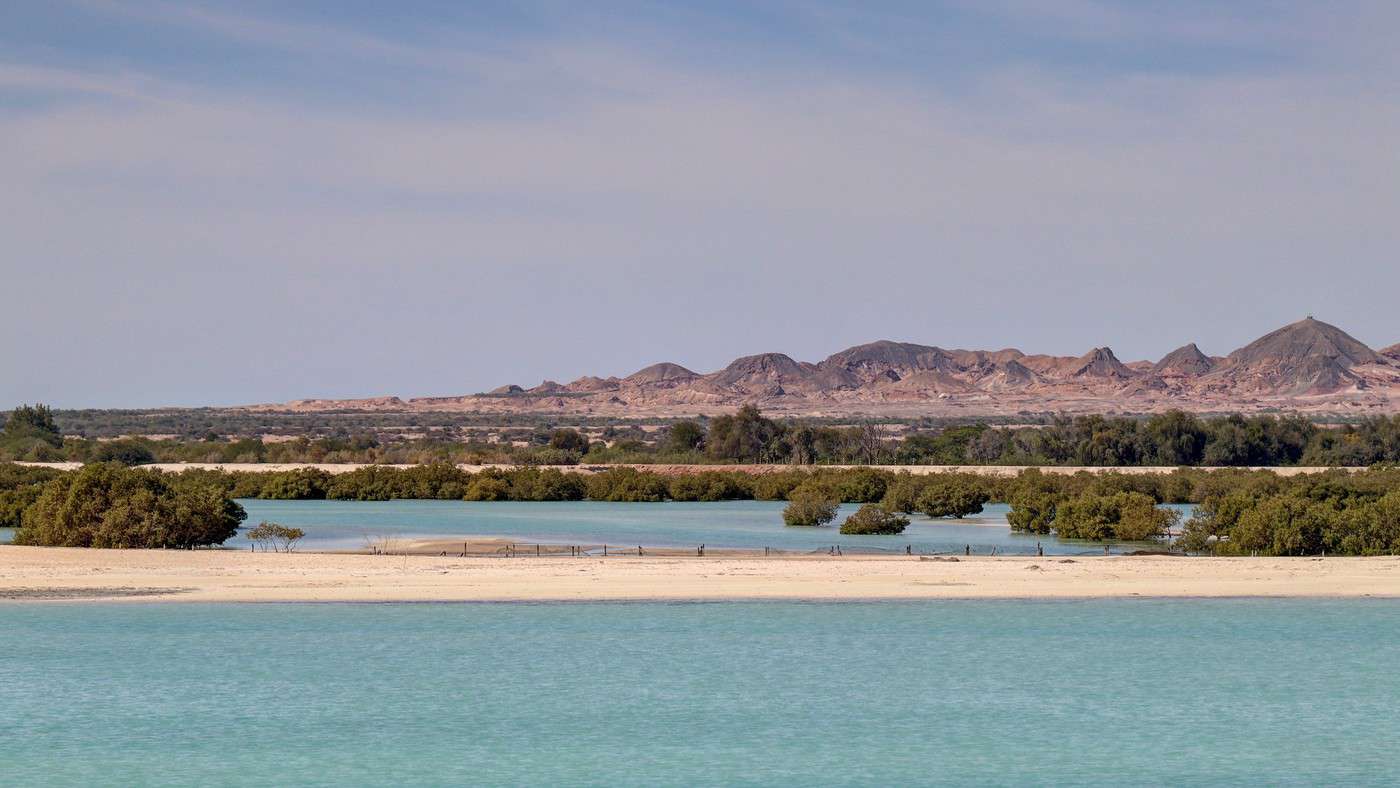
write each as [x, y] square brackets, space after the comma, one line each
[62, 81]
[596, 183]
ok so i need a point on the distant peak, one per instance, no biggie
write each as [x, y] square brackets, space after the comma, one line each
[661, 372]
[1185, 360]
[1306, 338]
[1101, 363]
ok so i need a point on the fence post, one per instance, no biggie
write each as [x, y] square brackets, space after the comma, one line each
[537, 551]
[605, 550]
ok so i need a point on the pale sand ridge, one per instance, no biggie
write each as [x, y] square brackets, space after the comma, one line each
[1005, 471]
[235, 576]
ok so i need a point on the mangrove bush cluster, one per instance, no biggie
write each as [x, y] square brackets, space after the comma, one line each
[1238, 512]
[112, 506]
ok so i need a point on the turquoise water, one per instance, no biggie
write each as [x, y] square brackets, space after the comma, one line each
[747, 524]
[1185, 692]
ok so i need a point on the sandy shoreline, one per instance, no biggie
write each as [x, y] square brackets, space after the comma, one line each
[39, 574]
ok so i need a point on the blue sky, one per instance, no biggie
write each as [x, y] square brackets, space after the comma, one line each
[218, 203]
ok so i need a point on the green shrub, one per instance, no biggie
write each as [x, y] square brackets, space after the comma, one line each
[549, 484]
[874, 519]
[1033, 511]
[488, 488]
[626, 484]
[862, 485]
[302, 484]
[709, 486]
[1129, 516]
[902, 493]
[778, 486]
[127, 451]
[809, 508]
[951, 496]
[111, 506]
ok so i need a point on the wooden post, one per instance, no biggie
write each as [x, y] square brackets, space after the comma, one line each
[605, 550]
[537, 551]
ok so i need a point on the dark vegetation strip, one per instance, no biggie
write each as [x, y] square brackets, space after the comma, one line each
[745, 437]
[1238, 511]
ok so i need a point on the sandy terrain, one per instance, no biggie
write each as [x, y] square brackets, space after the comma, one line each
[677, 470]
[36, 573]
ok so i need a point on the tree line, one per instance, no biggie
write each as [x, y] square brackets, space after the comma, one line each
[748, 437]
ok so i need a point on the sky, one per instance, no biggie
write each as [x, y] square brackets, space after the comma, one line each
[226, 203]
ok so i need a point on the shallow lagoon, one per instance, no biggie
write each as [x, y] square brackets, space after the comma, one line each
[739, 524]
[1109, 692]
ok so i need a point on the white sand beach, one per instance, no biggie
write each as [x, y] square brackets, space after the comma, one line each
[37, 573]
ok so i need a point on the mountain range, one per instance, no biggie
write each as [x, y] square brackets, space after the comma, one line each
[1307, 366]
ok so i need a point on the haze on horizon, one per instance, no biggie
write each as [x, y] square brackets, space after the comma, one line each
[225, 203]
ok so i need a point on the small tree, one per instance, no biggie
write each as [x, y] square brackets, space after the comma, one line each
[568, 439]
[32, 422]
[127, 451]
[951, 497]
[281, 538]
[685, 436]
[874, 519]
[808, 507]
[1033, 511]
[902, 494]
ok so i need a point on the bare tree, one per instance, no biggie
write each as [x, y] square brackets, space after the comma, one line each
[281, 538]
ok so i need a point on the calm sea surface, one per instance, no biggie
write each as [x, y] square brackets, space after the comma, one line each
[1184, 692]
[749, 524]
[341, 525]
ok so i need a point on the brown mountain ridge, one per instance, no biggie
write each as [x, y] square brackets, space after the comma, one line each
[1307, 366]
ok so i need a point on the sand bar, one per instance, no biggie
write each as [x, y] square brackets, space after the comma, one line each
[35, 574]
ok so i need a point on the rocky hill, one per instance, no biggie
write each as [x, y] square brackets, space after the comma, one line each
[1185, 361]
[1308, 366]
